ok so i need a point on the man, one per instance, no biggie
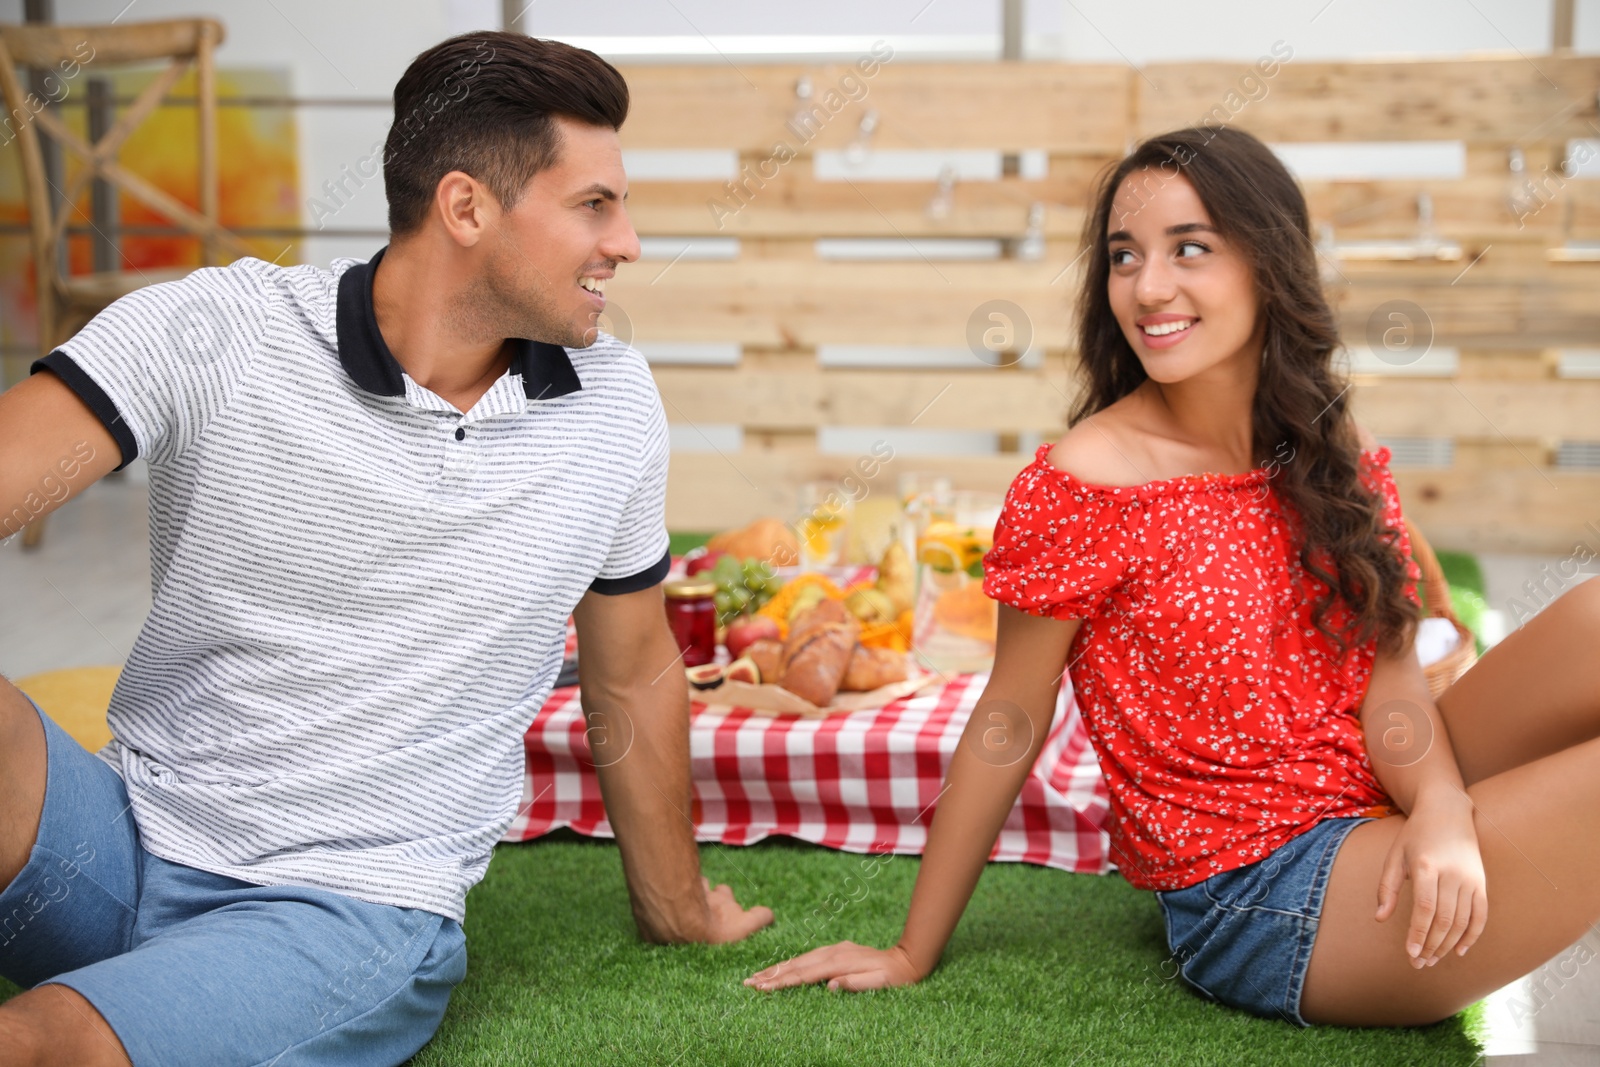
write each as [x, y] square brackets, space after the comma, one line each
[377, 492]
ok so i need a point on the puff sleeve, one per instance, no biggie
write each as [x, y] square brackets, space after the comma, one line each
[1061, 548]
[1376, 476]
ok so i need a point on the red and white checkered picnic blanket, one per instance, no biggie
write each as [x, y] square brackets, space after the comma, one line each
[862, 782]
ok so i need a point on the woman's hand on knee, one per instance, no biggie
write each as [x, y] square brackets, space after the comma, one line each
[1437, 850]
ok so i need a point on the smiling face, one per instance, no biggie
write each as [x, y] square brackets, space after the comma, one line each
[1182, 294]
[545, 274]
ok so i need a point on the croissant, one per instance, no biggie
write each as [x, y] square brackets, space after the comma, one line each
[767, 654]
[870, 668]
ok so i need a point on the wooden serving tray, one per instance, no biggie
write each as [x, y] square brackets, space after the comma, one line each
[776, 700]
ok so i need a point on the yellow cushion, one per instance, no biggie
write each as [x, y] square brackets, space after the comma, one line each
[76, 699]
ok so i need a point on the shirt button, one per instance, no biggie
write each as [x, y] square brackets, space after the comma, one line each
[461, 435]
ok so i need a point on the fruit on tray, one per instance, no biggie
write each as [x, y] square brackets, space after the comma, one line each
[778, 607]
[767, 539]
[892, 634]
[897, 578]
[743, 670]
[871, 605]
[807, 599]
[693, 565]
[743, 586]
[746, 630]
[705, 676]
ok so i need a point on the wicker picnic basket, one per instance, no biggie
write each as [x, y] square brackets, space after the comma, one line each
[1444, 671]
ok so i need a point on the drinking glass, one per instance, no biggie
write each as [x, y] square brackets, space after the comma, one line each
[923, 494]
[822, 525]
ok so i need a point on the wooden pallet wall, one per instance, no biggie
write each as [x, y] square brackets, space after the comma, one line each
[1519, 290]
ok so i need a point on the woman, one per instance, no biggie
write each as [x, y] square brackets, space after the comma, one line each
[1214, 551]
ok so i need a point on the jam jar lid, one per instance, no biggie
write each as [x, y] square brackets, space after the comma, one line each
[686, 588]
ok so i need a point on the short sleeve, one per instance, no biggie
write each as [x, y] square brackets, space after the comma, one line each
[1060, 548]
[1376, 477]
[640, 555]
[158, 364]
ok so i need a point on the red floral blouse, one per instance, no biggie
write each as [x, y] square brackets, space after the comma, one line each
[1224, 722]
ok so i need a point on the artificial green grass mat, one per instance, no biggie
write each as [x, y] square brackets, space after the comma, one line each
[1046, 967]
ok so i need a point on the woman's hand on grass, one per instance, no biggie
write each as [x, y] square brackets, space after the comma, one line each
[846, 966]
[730, 922]
[1438, 850]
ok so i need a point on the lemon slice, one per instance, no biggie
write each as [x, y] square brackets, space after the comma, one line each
[817, 531]
[974, 548]
[941, 557]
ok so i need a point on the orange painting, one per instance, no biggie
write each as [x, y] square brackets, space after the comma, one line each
[259, 178]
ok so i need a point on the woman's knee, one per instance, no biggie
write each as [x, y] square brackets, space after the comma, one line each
[1582, 602]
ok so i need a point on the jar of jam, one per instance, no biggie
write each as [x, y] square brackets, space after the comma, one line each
[692, 614]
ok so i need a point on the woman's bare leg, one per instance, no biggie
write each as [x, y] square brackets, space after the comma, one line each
[1535, 693]
[1525, 724]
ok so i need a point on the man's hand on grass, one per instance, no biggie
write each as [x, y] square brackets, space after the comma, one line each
[847, 966]
[730, 922]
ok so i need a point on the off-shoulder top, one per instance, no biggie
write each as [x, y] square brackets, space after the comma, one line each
[1224, 721]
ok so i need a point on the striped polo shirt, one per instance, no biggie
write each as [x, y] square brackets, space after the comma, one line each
[360, 592]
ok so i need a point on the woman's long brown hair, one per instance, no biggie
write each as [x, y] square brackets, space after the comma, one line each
[1300, 399]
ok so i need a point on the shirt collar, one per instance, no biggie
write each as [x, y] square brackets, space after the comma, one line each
[546, 369]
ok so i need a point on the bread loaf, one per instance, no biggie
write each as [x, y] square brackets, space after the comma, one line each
[817, 652]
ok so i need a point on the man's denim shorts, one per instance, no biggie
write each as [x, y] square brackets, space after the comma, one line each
[190, 967]
[1243, 937]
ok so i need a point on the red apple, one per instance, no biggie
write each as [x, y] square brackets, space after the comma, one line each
[746, 630]
[697, 564]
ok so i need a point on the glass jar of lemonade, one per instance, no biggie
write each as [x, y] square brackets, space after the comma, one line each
[953, 625]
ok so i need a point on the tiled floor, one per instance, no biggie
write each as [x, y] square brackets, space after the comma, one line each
[80, 600]
[81, 597]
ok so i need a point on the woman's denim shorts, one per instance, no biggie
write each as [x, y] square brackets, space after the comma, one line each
[1244, 937]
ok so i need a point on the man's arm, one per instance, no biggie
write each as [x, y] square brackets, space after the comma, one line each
[52, 447]
[636, 704]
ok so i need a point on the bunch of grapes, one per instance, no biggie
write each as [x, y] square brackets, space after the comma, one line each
[742, 586]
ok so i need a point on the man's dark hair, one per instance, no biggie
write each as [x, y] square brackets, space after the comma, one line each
[483, 103]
